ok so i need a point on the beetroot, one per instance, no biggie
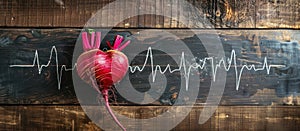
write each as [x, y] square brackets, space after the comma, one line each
[102, 69]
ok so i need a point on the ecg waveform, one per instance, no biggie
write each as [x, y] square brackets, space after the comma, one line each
[232, 61]
[36, 62]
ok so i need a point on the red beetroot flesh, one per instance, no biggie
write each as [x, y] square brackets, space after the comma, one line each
[107, 67]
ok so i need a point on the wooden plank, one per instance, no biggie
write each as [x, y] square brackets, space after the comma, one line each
[111, 13]
[174, 13]
[258, 88]
[45, 118]
[133, 21]
[182, 15]
[191, 14]
[121, 10]
[104, 14]
[8, 12]
[16, 18]
[159, 10]
[222, 14]
[153, 17]
[95, 6]
[225, 118]
[3, 10]
[27, 38]
[141, 18]
[69, 17]
[147, 17]
[167, 13]
[82, 12]
[59, 16]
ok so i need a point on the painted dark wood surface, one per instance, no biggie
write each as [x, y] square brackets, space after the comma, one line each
[269, 118]
[222, 14]
[32, 101]
[27, 86]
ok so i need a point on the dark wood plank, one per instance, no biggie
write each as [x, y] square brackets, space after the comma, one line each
[225, 118]
[104, 14]
[59, 16]
[122, 12]
[181, 15]
[141, 18]
[45, 118]
[167, 12]
[4, 11]
[189, 13]
[131, 22]
[159, 10]
[147, 6]
[251, 46]
[222, 14]
[153, 11]
[8, 12]
[174, 14]
[14, 45]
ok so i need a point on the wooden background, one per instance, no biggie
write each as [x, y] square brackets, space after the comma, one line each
[223, 13]
[30, 101]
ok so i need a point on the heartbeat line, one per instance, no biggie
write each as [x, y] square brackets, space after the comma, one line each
[232, 61]
[36, 62]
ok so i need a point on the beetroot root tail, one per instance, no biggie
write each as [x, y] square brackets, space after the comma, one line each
[105, 95]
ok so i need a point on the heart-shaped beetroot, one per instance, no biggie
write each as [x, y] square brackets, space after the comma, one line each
[107, 68]
[102, 69]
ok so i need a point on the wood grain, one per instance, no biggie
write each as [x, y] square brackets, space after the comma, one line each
[18, 47]
[267, 118]
[221, 14]
[32, 101]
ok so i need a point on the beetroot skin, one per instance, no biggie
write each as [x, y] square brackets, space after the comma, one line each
[106, 68]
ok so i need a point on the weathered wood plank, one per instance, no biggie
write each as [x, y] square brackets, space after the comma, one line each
[167, 12]
[141, 18]
[225, 118]
[44, 118]
[222, 14]
[133, 21]
[18, 46]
